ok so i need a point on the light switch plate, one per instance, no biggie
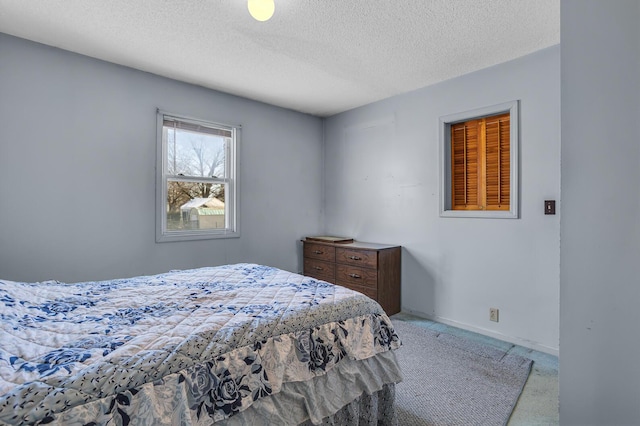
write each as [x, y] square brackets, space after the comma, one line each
[549, 206]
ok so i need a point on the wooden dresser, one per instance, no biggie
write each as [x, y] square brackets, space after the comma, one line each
[372, 269]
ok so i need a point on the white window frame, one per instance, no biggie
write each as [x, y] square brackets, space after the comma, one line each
[231, 229]
[512, 108]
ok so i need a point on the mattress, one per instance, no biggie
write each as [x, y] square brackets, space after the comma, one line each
[234, 344]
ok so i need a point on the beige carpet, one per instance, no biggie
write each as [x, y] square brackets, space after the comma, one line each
[449, 380]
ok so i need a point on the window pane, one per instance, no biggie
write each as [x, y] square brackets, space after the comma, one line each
[195, 205]
[192, 153]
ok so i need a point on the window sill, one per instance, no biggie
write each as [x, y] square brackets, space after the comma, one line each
[193, 236]
[494, 214]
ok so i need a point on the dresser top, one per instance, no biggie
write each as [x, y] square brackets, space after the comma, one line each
[355, 244]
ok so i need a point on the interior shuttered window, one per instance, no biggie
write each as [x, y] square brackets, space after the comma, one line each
[480, 164]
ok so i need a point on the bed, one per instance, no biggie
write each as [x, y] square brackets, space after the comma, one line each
[240, 344]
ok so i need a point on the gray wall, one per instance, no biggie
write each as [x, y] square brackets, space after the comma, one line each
[600, 227]
[382, 185]
[77, 170]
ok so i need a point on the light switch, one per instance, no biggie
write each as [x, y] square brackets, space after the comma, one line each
[549, 206]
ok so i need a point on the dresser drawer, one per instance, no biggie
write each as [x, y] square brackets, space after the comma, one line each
[352, 275]
[357, 257]
[320, 251]
[367, 291]
[320, 269]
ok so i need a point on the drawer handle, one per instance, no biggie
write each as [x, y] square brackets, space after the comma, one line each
[318, 268]
[355, 276]
[355, 258]
[317, 252]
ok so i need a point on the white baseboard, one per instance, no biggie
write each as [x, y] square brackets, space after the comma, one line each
[536, 346]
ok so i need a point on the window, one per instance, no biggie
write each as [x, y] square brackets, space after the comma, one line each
[196, 182]
[479, 163]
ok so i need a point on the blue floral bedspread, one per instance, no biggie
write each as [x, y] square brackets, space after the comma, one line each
[184, 347]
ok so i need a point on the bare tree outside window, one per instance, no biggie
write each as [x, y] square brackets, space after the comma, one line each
[192, 154]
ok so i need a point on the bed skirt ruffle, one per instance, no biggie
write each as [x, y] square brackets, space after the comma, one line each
[354, 393]
[376, 409]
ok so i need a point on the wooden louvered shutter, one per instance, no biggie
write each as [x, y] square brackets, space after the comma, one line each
[480, 164]
[497, 171]
[465, 166]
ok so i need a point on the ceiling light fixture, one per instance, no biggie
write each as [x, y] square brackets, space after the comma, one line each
[261, 10]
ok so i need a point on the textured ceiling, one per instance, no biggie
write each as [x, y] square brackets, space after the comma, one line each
[316, 56]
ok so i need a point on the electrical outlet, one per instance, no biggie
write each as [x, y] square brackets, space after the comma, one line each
[493, 314]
